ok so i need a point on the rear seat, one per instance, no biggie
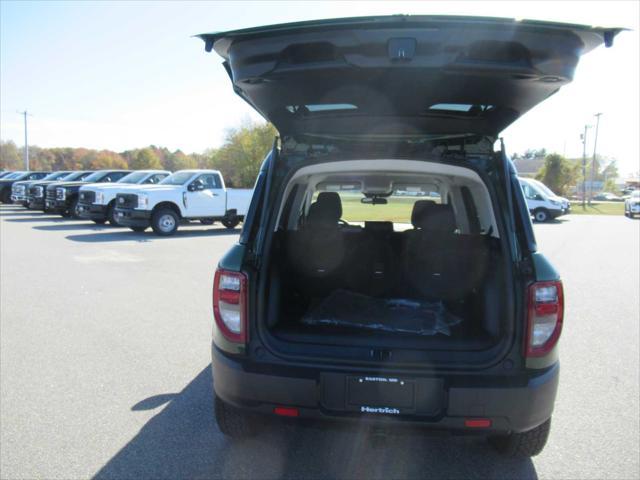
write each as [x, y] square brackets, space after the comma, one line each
[317, 251]
[440, 264]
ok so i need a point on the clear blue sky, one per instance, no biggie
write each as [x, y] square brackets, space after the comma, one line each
[124, 75]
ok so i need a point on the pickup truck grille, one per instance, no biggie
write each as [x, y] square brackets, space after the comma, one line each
[87, 197]
[51, 193]
[126, 200]
[59, 194]
[36, 191]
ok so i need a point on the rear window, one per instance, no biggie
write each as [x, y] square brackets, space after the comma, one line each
[397, 209]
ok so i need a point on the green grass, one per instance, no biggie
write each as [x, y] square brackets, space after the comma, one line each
[398, 210]
[603, 208]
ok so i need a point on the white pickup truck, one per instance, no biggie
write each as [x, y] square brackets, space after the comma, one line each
[185, 195]
[96, 201]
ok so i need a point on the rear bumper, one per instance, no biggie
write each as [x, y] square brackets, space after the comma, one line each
[91, 211]
[130, 217]
[510, 409]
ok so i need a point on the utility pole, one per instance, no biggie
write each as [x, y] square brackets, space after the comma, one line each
[593, 161]
[26, 142]
[584, 165]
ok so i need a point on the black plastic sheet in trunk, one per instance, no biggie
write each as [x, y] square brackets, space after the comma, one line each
[356, 311]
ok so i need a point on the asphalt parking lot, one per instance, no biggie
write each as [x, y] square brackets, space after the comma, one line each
[104, 365]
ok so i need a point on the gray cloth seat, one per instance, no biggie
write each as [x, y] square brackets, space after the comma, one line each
[317, 251]
[439, 263]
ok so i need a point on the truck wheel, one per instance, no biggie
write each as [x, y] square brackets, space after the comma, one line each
[138, 229]
[207, 221]
[525, 444]
[6, 196]
[232, 422]
[230, 222]
[111, 215]
[541, 215]
[73, 209]
[164, 222]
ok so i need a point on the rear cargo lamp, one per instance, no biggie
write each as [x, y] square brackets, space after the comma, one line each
[229, 304]
[545, 312]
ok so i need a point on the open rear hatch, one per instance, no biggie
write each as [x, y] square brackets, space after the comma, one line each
[402, 75]
[398, 80]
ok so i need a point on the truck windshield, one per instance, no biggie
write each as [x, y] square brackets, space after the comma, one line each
[544, 188]
[56, 175]
[76, 176]
[178, 178]
[133, 177]
[94, 177]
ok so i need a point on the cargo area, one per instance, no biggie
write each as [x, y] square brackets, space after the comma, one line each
[374, 257]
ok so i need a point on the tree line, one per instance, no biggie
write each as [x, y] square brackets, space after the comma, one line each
[241, 154]
[239, 158]
[562, 174]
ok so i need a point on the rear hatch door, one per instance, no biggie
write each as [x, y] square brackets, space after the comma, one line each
[402, 75]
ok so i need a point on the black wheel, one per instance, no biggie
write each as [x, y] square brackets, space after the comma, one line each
[101, 221]
[138, 229]
[6, 196]
[164, 222]
[73, 209]
[233, 422]
[207, 221]
[541, 215]
[111, 215]
[525, 444]
[230, 222]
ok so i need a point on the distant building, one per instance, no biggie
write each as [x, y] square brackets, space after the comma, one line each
[528, 167]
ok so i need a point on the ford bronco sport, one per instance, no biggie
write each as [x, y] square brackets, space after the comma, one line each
[387, 270]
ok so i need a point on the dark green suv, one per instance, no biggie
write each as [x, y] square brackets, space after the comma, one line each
[387, 270]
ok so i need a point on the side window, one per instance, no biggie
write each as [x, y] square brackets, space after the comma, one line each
[529, 193]
[114, 176]
[210, 180]
[155, 178]
[217, 182]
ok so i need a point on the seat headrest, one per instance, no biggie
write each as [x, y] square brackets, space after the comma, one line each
[440, 218]
[326, 210]
[420, 212]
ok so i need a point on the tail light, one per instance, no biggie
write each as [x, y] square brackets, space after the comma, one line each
[230, 304]
[545, 312]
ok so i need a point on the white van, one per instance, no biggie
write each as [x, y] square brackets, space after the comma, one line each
[543, 204]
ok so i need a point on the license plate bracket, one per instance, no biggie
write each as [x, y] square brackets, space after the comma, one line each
[382, 395]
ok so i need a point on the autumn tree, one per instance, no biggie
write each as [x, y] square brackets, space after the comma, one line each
[242, 153]
[558, 173]
[10, 158]
[145, 158]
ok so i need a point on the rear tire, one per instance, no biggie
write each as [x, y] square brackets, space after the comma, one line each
[164, 222]
[230, 222]
[138, 229]
[232, 422]
[525, 444]
[541, 215]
